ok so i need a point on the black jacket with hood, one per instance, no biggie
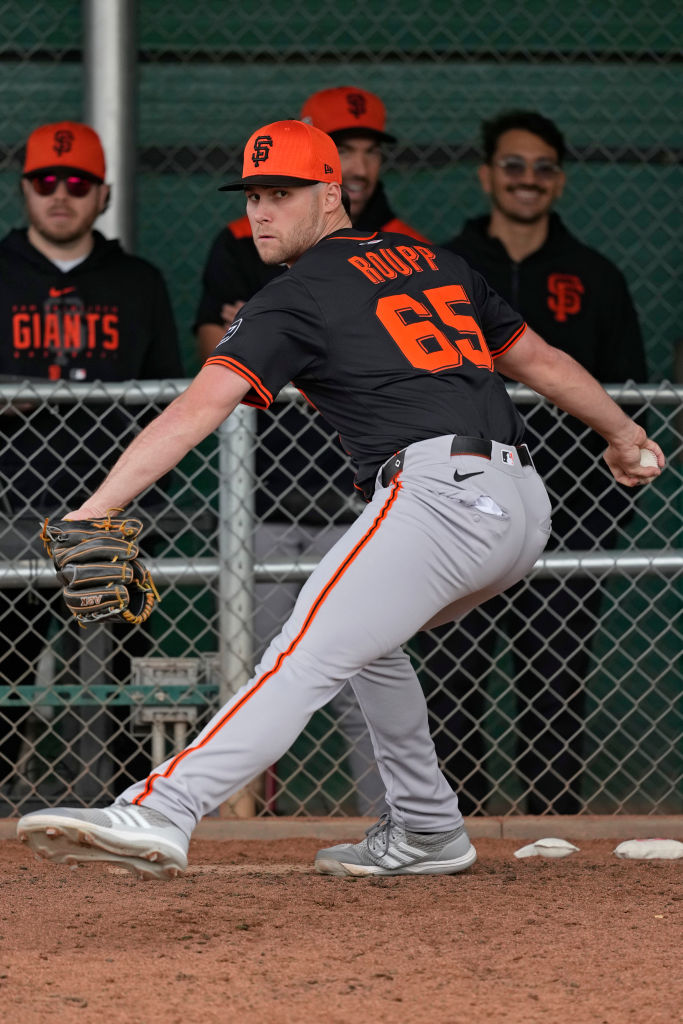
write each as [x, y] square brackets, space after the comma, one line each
[109, 319]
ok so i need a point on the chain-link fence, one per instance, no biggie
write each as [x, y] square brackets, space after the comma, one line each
[564, 694]
[611, 76]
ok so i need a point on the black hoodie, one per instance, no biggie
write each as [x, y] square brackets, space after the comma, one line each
[578, 301]
[109, 319]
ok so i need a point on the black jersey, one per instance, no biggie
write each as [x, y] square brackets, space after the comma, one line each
[109, 318]
[305, 480]
[573, 296]
[391, 340]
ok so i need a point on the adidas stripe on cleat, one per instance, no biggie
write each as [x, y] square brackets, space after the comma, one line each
[389, 849]
[140, 839]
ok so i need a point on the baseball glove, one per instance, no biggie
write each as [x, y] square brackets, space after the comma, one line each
[97, 565]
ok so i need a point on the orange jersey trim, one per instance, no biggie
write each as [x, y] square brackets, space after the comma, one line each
[240, 228]
[510, 342]
[401, 228]
[263, 396]
[316, 409]
[315, 607]
[307, 399]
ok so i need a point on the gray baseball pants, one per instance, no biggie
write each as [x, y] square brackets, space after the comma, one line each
[424, 551]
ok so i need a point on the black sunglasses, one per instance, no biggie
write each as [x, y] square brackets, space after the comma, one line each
[515, 167]
[46, 184]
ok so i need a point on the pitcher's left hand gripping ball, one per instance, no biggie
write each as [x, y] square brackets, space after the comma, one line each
[97, 565]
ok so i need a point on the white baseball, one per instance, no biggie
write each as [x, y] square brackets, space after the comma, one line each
[648, 458]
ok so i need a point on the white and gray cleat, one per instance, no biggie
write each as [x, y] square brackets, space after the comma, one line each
[140, 839]
[389, 849]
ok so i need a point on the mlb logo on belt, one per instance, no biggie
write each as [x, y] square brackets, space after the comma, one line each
[508, 456]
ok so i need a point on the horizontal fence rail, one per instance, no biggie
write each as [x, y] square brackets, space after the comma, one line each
[139, 392]
[177, 571]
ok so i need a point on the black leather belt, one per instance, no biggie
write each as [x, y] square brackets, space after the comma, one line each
[459, 446]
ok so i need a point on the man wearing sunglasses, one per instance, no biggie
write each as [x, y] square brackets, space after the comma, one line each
[579, 301]
[74, 307]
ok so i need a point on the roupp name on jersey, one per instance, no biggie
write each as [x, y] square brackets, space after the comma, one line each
[388, 263]
[64, 325]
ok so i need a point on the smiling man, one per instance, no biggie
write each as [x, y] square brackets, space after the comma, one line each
[397, 344]
[356, 120]
[578, 301]
[571, 294]
[522, 174]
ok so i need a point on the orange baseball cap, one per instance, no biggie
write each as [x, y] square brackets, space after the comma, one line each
[346, 109]
[65, 145]
[288, 153]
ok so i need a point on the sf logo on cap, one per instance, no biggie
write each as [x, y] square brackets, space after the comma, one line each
[356, 103]
[262, 145]
[63, 141]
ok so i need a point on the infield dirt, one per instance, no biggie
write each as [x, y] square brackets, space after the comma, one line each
[252, 934]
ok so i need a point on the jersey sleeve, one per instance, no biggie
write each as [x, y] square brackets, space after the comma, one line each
[501, 324]
[280, 336]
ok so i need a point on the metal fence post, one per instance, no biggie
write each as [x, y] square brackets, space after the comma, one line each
[110, 67]
[236, 570]
[236, 559]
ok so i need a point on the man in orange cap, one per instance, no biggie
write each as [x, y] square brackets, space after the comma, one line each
[300, 513]
[355, 119]
[304, 497]
[74, 307]
[70, 153]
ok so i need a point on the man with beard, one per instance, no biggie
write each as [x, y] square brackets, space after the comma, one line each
[579, 301]
[73, 307]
